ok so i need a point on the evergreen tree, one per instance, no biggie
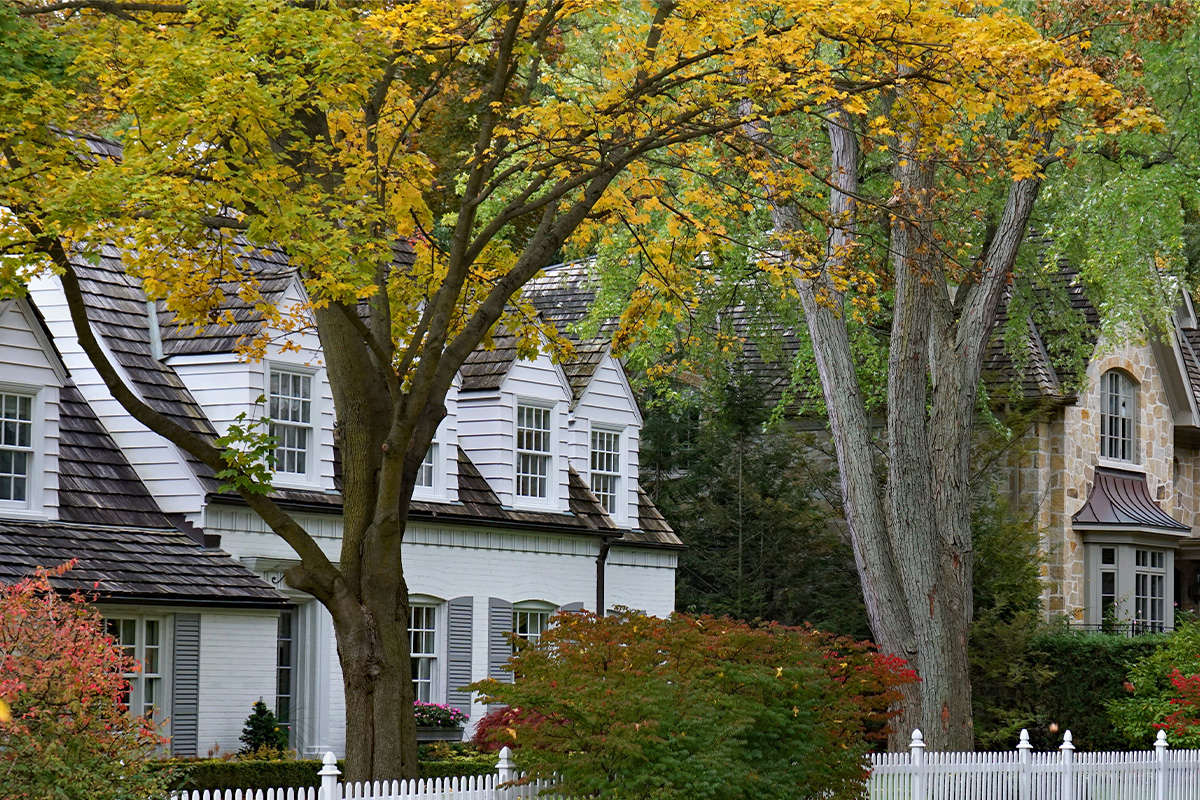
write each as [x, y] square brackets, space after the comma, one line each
[263, 731]
[751, 502]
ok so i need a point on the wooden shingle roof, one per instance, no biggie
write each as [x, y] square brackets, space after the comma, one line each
[563, 296]
[126, 547]
[131, 564]
[96, 484]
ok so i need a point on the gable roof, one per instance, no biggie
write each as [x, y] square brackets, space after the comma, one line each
[96, 484]
[118, 310]
[126, 547]
[121, 316]
[563, 296]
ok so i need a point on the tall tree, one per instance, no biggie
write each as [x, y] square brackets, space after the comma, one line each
[483, 134]
[744, 492]
[903, 209]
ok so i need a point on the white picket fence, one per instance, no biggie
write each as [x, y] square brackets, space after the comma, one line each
[916, 775]
[474, 787]
[1024, 775]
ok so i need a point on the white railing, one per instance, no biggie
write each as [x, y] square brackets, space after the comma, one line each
[496, 786]
[1024, 775]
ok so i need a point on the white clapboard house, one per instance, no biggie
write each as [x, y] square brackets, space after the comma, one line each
[529, 503]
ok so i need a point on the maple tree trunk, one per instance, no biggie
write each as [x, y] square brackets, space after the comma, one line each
[377, 679]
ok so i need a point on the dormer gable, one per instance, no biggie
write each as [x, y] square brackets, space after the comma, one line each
[32, 376]
[513, 421]
[607, 439]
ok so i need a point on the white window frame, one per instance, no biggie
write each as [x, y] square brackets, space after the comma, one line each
[527, 611]
[32, 504]
[311, 456]
[431, 465]
[1134, 584]
[433, 656]
[618, 477]
[1118, 417]
[138, 680]
[550, 499]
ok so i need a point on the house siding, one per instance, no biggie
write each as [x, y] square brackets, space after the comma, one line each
[237, 668]
[608, 402]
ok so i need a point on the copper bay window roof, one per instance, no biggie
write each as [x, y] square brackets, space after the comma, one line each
[1121, 499]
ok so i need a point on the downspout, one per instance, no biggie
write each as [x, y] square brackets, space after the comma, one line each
[600, 560]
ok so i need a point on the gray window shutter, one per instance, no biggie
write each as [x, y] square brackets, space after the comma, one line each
[499, 645]
[185, 702]
[458, 652]
[571, 607]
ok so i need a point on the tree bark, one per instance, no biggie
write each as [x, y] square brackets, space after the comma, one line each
[910, 530]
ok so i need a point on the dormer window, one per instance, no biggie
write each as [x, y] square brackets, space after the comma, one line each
[606, 468]
[533, 451]
[16, 446]
[425, 474]
[1118, 409]
[290, 410]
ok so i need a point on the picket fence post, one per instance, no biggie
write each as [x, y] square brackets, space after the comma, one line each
[916, 749]
[1025, 758]
[329, 778]
[506, 772]
[1160, 773]
[1068, 763]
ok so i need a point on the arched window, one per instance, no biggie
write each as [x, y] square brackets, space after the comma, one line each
[1118, 412]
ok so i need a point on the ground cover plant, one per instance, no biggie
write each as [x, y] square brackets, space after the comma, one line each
[694, 707]
[66, 733]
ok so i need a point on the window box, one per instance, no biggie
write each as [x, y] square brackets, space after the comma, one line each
[432, 733]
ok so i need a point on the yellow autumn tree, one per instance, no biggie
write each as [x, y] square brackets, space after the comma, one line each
[909, 186]
[485, 136]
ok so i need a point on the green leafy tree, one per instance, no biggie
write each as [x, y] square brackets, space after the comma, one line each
[694, 707]
[64, 731]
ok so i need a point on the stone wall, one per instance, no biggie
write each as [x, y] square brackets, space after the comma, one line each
[1068, 446]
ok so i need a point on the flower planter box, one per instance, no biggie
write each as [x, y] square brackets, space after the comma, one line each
[432, 734]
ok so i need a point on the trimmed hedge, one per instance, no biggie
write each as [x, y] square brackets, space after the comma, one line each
[215, 774]
[1035, 679]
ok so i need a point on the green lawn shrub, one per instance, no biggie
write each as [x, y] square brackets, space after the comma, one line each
[1050, 679]
[694, 708]
[215, 773]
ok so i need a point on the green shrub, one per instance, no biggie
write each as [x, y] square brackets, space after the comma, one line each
[213, 774]
[696, 708]
[1164, 693]
[1049, 678]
